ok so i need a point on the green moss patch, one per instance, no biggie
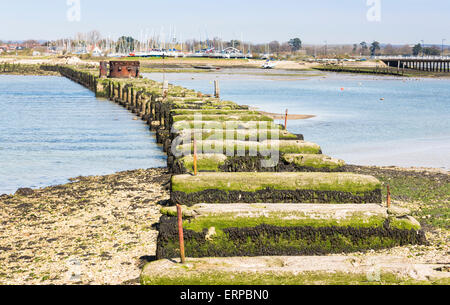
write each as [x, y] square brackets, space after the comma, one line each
[286, 219]
[278, 240]
[237, 134]
[176, 112]
[222, 118]
[252, 182]
[181, 125]
[186, 277]
[313, 161]
[275, 188]
[242, 148]
[404, 224]
[205, 162]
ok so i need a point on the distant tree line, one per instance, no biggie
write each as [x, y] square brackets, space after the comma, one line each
[294, 47]
[418, 49]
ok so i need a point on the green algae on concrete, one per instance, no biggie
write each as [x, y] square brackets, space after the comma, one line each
[242, 148]
[251, 182]
[282, 271]
[211, 162]
[314, 161]
[275, 187]
[205, 162]
[223, 117]
[206, 216]
[237, 134]
[268, 278]
[176, 112]
[294, 147]
[282, 219]
[227, 125]
[216, 236]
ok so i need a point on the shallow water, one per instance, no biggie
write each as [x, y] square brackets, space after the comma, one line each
[410, 127]
[52, 129]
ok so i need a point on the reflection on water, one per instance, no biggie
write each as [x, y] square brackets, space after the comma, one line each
[367, 120]
[52, 129]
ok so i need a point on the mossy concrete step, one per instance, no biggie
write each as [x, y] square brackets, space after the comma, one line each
[196, 103]
[304, 270]
[192, 112]
[237, 134]
[222, 117]
[314, 161]
[287, 163]
[285, 212]
[222, 216]
[244, 148]
[268, 229]
[275, 188]
[181, 125]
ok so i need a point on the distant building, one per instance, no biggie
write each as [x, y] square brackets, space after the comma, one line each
[123, 69]
[97, 52]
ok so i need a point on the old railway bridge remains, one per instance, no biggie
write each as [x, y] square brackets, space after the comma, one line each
[307, 203]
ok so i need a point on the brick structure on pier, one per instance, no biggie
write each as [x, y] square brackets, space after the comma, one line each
[120, 69]
[124, 69]
[103, 69]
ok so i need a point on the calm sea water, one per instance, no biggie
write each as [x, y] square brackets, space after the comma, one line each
[410, 127]
[52, 129]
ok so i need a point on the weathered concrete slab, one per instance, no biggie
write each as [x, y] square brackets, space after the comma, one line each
[314, 161]
[242, 148]
[275, 188]
[178, 126]
[237, 134]
[281, 270]
[286, 163]
[284, 211]
[227, 230]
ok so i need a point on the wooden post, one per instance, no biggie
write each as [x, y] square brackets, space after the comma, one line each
[216, 89]
[388, 196]
[165, 88]
[180, 233]
[286, 119]
[195, 157]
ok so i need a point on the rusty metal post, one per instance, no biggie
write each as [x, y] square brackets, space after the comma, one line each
[195, 157]
[286, 119]
[180, 233]
[388, 196]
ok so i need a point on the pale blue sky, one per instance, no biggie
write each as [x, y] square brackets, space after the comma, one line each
[337, 21]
